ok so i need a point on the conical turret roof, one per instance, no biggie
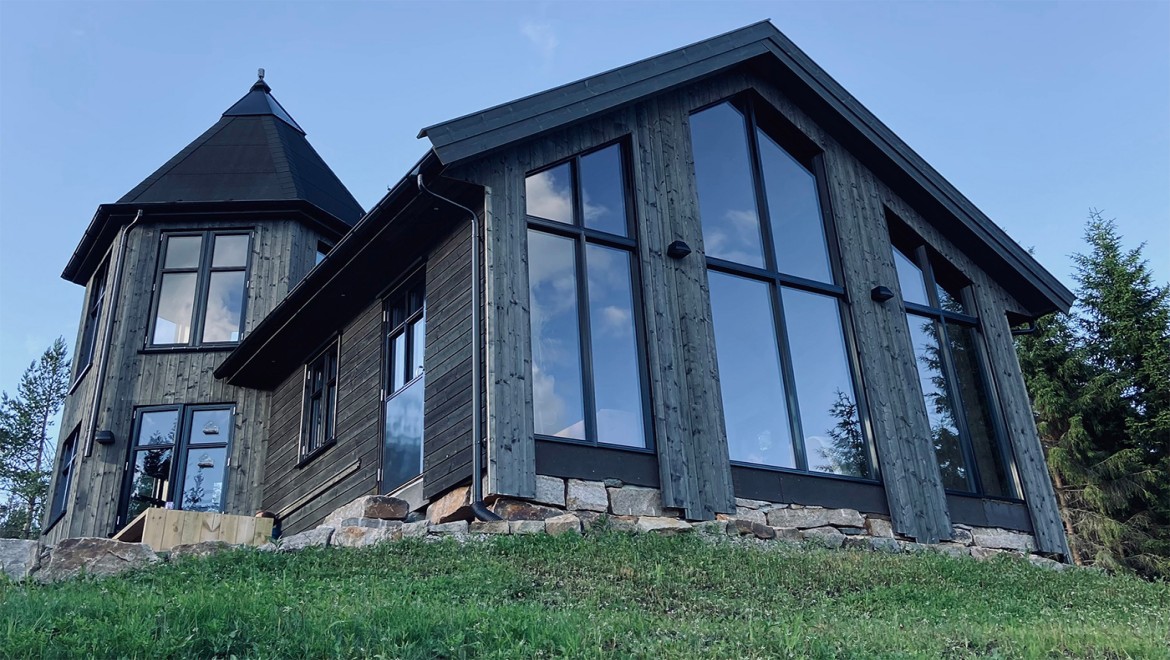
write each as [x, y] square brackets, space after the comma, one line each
[255, 152]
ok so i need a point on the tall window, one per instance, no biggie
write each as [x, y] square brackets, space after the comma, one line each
[588, 372]
[963, 424]
[64, 475]
[404, 351]
[200, 290]
[93, 315]
[320, 403]
[183, 445]
[790, 394]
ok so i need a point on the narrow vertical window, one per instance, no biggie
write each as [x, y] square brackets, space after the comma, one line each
[588, 371]
[405, 384]
[319, 406]
[964, 427]
[93, 316]
[201, 289]
[62, 487]
[789, 384]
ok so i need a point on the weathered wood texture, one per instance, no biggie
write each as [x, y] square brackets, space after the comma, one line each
[305, 494]
[448, 393]
[142, 378]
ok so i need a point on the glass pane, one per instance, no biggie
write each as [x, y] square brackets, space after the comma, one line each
[556, 336]
[183, 251]
[225, 307]
[203, 479]
[723, 173]
[176, 298]
[794, 209]
[150, 483]
[754, 406]
[910, 279]
[549, 194]
[994, 473]
[398, 363]
[210, 426]
[157, 428]
[939, 406]
[419, 345]
[403, 436]
[230, 251]
[604, 198]
[833, 439]
[616, 377]
[949, 300]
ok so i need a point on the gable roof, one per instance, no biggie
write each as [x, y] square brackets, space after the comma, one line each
[255, 157]
[761, 44]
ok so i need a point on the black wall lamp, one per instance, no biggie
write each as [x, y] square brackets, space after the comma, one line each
[104, 437]
[678, 250]
[881, 293]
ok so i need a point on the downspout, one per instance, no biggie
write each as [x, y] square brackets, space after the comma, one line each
[477, 506]
[108, 335]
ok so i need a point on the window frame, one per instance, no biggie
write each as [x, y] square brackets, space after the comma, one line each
[95, 305]
[582, 237]
[330, 386]
[413, 282]
[64, 471]
[179, 449]
[928, 260]
[203, 272]
[759, 115]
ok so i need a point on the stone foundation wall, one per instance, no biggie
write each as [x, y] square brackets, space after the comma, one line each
[574, 506]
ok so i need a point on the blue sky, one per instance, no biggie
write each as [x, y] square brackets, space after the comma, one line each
[1036, 111]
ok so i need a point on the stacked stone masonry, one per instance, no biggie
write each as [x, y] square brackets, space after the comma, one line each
[561, 506]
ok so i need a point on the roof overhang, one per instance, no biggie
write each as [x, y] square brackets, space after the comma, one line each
[384, 245]
[109, 218]
[763, 47]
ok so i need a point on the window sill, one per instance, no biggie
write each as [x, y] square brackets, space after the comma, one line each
[308, 458]
[80, 377]
[215, 348]
[596, 445]
[807, 473]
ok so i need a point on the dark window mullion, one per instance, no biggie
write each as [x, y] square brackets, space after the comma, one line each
[588, 396]
[828, 222]
[762, 213]
[794, 421]
[642, 348]
[202, 288]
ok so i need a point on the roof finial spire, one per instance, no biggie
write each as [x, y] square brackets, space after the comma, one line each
[260, 85]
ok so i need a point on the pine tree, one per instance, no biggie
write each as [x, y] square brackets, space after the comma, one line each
[1100, 384]
[26, 444]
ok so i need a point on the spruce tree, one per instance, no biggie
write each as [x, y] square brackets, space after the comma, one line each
[26, 444]
[1100, 384]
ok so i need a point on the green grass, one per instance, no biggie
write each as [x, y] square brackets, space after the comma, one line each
[609, 595]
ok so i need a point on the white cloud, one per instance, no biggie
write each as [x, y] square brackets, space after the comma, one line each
[542, 37]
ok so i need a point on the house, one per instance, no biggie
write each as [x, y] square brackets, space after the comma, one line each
[711, 274]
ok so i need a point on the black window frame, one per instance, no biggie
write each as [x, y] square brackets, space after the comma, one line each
[938, 272]
[179, 448]
[203, 272]
[408, 295]
[759, 114]
[326, 363]
[66, 459]
[94, 306]
[582, 237]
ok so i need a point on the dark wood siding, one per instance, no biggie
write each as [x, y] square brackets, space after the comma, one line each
[280, 249]
[304, 494]
[447, 426]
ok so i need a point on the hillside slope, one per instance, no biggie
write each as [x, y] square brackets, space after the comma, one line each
[606, 595]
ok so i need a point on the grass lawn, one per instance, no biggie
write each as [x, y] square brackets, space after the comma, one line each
[610, 595]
